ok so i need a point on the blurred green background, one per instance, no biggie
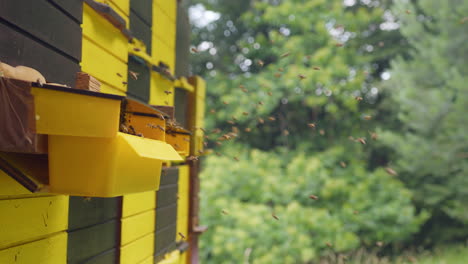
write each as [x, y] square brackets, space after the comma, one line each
[360, 103]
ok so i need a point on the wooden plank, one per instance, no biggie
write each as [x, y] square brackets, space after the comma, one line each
[141, 30]
[166, 216]
[28, 219]
[73, 8]
[86, 243]
[169, 175]
[143, 8]
[138, 202]
[137, 226]
[50, 250]
[18, 49]
[183, 33]
[107, 257]
[85, 212]
[139, 88]
[165, 240]
[137, 251]
[181, 106]
[167, 195]
[45, 22]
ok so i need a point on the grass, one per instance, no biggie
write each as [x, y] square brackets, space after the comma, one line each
[454, 254]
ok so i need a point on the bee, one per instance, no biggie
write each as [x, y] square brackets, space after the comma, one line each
[87, 199]
[284, 55]
[301, 76]
[316, 68]
[140, 134]
[408, 12]
[205, 143]
[286, 132]
[194, 50]
[181, 235]
[277, 75]
[391, 171]
[361, 140]
[379, 243]
[212, 111]
[260, 103]
[134, 75]
[177, 146]
[120, 75]
[161, 128]
[381, 44]
[200, 151]
[245, 113]
[358, 98]
[339, 44]
[216, 131]
[217, 153]
[274, 216]
[206, 137]
[280, 69]
[367, 117]
[260, 63]
[123, 128]
[343, 164]
[313, 197]
[245, 90]
[311, 125]
[235, 130]
[167, 92]
[236, 158]
[261, 121]
[329, 244]
[355, 212]
[226, 103]
[218, 143]
[247, 129]
[166, 102]
[322, 132]
[192, 158]
[124, 83]
[231, 122]
[373, 135]
[234, 118]
[270, 93]
[271, 118]
[137, 49]
[202, 129]
[224, 212]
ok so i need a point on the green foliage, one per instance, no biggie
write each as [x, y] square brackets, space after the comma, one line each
[431, 96]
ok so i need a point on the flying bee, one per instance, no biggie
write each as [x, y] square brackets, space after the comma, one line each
[358, 98]
[236, 158]
[316, 68]
[339, 44]
[137, 49]
[120, 75]
[202, 129]
[245, 113]
[167, 92]
[381, 44]
[322, 132]
[177, 146]
[186, 139]
[355, 212]
[367, 117]
[224, 212]
[231, 122]
[200, 151]
[301, 76]
[134, 75]
[284, 55]
[245, 90]
[270, 93]
[192, 158]
[217, 153]
[260, 103]
[194, 50]
[286, 132]
[277, 74]
[311, 125]
[408, 12]
[216, 131]
[280, 69]
[124, 83]
[205, 143]
[166, 102]
[274, 216]
[391, 171]
[226, 103]
[212, 111]
[260, 63]
[329, 244]
[261, 121]
[271, 118]
[373, 135]
[181, 235]
[313, 197]
[218, 143]
[247, 129]
[343, 164]
[361, 140]
[161, 128]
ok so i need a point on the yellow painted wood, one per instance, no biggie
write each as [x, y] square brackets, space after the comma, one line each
[184, 84]
[171, 258]
[99, 30]
[138, 250]
[183, 203]
[149, 260]
[28, 219]
[180, 142]
[103, 66]
[184, 178]
[137, 226]
[164, 27]
[184, 258]
[106, 167]
[158, 86]
[106, 88]
[162, 52]
[149, 126]
[57, 114]
[138, 202]
[10, 188]
[169, 7]
[50, 250]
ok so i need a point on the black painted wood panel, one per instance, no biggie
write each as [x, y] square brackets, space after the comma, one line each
[143, 9]
[108, 257]
[85, 212]
[18, 49]
[141, 30]
[169, 176]
[166, 216]
[182, 42]
[180, 105]
[167, 195]
[139, 88]
[73, 8]
[45, 22]
[84, 244]
[165, 240]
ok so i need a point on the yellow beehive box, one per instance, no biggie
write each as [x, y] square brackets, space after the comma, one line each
[169, 7]
[73, 112]
[138, 250]
[183, 203]
[27, 219]
[171, 258]
[161, 90]
[179, 140]
[162, 52]
[106, 167]
[137, 226]
[133, 204]
[49, 250]
[164, 27]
